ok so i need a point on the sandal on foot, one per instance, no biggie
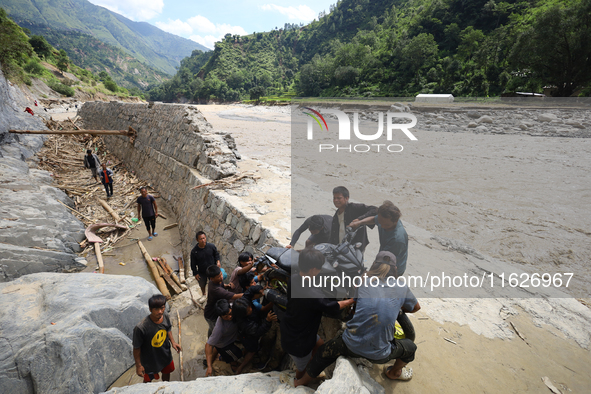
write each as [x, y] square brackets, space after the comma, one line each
[150, 238]
[406, 374]
[155, 234]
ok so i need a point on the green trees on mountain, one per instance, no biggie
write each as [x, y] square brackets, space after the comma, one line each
[401, 48]
[15, 50]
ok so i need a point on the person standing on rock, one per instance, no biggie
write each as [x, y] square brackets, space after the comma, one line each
[370, 333]
[222, 338]
[203, 256]
[107, 179]
[393, 236]
[152, 340]
[300, 324]
[147, 208]
[92, 161]
[345, 214]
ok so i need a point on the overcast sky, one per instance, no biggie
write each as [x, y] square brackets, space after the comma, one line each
[208, 21]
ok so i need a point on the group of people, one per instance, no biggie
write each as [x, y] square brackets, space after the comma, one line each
[147, 208]
[237, 312]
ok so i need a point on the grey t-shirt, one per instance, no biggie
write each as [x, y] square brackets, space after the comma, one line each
[152, 340]
[224, 333]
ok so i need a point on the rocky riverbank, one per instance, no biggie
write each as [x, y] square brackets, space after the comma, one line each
[37, 232]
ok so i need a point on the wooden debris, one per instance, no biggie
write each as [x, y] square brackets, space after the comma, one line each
[161, 215]
[167, 277]
[518, 333]
[110, 210]
[170, 272]
[127, 132]
[159, 281]
[170, 226]
[228, 182]
[181, 269]
[99, 258]
[181, 346]
[449, 340]
[63, 157]
[550, 386]
[90, 231]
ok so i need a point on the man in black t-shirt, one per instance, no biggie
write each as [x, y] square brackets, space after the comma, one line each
[203, 256]
[299, 325]
[215, 292]
[148, 209]
[151, 342]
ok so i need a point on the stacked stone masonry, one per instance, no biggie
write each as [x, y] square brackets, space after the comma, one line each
[177, 149]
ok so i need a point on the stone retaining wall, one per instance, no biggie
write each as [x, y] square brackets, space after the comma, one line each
[175, 150]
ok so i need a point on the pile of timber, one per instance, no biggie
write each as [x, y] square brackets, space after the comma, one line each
[63, 157]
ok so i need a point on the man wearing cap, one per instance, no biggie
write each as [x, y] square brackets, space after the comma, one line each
[370, 333]
[393, 236]
[319, 226]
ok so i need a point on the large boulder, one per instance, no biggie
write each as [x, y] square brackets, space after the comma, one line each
[347, 378]
[68, 333]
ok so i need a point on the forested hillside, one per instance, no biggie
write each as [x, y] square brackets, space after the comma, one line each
[25, 57]
[146, 43]
[401, 48]
[92, 54]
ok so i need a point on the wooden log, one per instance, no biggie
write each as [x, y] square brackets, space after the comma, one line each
[159, 281]
[99, 258]
[168, 280]
[73, 210]
[170, 226]
[181, 269]
[74, 132]
[181, 346]
[162, 216]
[110, 210]
[172, 274]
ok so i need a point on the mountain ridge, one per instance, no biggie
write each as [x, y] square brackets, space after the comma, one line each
[159, 49]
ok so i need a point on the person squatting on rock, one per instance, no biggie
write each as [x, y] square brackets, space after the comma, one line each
[152, 339]
[370, 333]
[107, 179]
[245, 264]
[319, 226]
[301, 321]
[345, 214]
[223, 338]
[148, 209]
[92, 161]
[393, 236]
[215, 291]
[252, 325]
[203, 255]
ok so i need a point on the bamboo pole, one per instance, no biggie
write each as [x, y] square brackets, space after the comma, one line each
[110, 210]
[99, 257]
[181, 346]
[159, 281]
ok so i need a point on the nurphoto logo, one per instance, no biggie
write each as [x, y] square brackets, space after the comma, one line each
[345, 130]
